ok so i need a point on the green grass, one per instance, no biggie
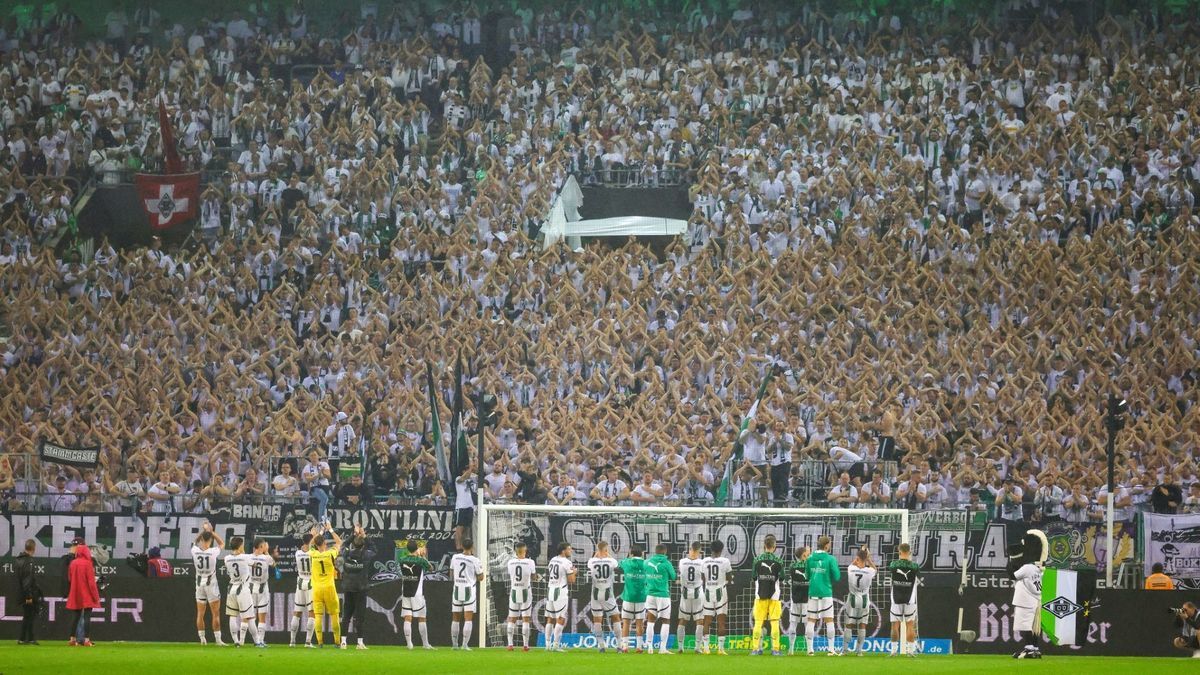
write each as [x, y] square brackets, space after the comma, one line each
[181, 659]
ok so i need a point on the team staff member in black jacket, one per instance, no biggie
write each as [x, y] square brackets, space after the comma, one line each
[356, 579]
[31, 594]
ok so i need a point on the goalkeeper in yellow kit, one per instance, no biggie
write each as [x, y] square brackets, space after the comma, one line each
[324, 593]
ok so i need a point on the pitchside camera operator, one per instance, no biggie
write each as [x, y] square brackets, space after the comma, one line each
[1188, 620]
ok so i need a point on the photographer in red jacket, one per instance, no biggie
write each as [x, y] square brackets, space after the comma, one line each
[84, 596]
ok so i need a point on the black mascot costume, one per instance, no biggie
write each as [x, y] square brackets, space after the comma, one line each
[1026, 562]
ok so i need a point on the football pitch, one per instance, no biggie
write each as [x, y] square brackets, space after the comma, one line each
[182, 659]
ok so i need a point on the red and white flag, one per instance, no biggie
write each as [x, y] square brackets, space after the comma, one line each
[168, 200]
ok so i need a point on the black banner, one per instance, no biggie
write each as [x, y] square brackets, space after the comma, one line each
[1122, 623]
[163, 610]
[390, 529]
[939, 539]
[84, 458]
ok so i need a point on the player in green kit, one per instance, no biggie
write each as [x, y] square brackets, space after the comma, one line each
[659, 575]
[633, 599]
[823, 573]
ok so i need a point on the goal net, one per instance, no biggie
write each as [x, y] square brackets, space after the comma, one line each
[741, 530]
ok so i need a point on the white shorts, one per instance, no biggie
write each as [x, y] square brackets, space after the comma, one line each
[819, 608]
[858, 608]
[716, 602]
[414, 606]
[557, 599]
[604, 602]
[1024, 618]
[239, 602]
[207, 590]
[797, 612]
[691, 604]
[463, 599]
[633, 610]
[260, 597]
[302, 597]
[659, 607]
[520, 603]
[906, 611]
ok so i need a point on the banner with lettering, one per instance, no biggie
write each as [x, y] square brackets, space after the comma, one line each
[1173, 541]
[390, 527]
[939, 538]
[84, 458]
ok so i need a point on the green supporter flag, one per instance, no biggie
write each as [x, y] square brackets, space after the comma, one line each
[439, 446]
[1067, 604]
[736, 458]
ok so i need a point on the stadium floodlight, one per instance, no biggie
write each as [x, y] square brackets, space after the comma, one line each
[742, 530]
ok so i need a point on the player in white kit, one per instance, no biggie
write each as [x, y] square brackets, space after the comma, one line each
[860, 575]
[467, 571]
[602, 569]
[239, 604]
[559, 573]
[718, 572]
[261, 562]
[691, 596]
[521, 575]
[206, 551]
[302, 597]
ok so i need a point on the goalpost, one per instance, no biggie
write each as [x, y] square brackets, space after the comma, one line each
[742, 530]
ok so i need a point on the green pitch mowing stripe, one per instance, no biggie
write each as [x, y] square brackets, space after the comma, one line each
[185, 659]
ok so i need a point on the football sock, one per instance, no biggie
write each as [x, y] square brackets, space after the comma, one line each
[454, 634]
[756, 636]
[337, 626]
[319, 621]
[235, 629]
[294, 627]
[862, 638]
[203, 639]
[526, 629]
[512, 628]
[424, 633]
[250, 627]
[775, 635]
[310, 627]
[680, 631]
[408, 632]
[649, 635]
[721, 643]
[466, 632]
[598, 631]
[663, 633]
[831, 635]
[810, 630]
[701, 640]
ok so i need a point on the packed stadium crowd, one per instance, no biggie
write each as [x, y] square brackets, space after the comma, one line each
[951, 244]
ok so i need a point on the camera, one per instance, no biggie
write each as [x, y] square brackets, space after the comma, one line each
[1175, 610]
